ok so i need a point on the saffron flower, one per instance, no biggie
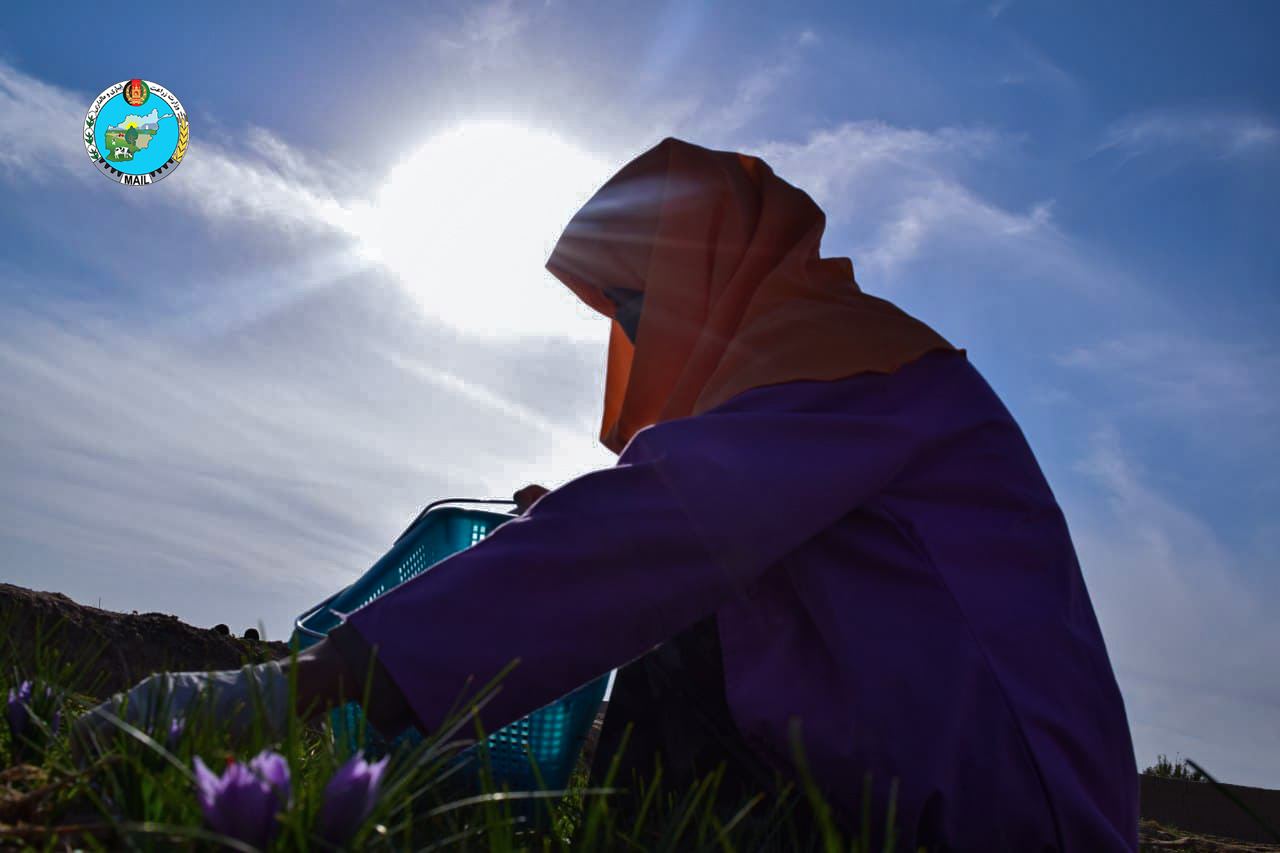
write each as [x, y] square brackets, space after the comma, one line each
[349, 798]
[243, 802]
[176, 726]
[25, 704]
[18, 712]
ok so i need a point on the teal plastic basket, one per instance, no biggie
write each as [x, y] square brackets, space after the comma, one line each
[552, 736]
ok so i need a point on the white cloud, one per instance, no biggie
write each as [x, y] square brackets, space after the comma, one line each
[1216, 134]
[493, 23]
[40, 125]
[232, 188]
[1188, 635]
[260, 438]
[1026, 64]
[284, 158]
[1186, 374]
[752, 94]
[829, 163]
[948, 208]
[486, 34]
[902, 186]
[39, 136]
[284, 453]
[272, 187]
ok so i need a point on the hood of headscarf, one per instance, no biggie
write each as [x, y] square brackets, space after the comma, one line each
[735, 294]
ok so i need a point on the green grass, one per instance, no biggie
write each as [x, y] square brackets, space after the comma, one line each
[137, 792]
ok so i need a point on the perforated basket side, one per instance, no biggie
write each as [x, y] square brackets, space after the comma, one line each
[442, 533]
[552, 737]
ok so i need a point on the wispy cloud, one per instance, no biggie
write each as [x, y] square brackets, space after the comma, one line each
[269, 189]
[716, 125]
[261, 428]
[905, 187]
[1188, 634]
[1186, 374]
[948, 207]
[998, 7]
[1219, 135]
[486, 35]
[40, 127]
[830, 160]
[274, 189]
[288, 453]
[493, 23]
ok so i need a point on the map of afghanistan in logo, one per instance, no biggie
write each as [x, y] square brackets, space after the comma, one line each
[136, 132]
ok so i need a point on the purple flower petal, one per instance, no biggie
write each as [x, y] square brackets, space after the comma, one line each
[244, 801]
[272, 768]
[207, 787]
[176, 727]
[349, 798]
[249, 806]
[18, 711]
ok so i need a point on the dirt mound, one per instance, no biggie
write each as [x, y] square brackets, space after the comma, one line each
[128, 646]
[1155, 837]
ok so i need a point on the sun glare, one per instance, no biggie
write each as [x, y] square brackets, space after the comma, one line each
[468, 220]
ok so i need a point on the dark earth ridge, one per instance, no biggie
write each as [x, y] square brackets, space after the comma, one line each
[129, 646]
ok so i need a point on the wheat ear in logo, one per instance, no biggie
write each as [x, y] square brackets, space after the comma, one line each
[183, 135]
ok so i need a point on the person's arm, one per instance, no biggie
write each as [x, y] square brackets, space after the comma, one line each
[333, 672]
[611, 564]
[337, 669]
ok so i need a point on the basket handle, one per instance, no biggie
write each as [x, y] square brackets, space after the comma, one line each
[435, 504]
[316, 635]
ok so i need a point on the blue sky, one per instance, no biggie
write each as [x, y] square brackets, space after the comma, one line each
[223, 395]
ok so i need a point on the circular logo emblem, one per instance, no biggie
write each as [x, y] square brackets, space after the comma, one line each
[136, 132]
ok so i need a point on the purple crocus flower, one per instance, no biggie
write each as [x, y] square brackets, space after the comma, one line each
[18, 712]
[244, 801]
[176, 726]
[348, 798]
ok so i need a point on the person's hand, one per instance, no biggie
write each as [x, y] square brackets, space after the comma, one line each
[234, 697]
[526, 497]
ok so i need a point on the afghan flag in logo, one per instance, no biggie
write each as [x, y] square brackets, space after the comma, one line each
[137, 92]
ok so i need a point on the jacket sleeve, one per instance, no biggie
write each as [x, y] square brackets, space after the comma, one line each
[604, 568]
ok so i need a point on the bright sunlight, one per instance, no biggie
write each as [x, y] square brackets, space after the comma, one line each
[468, 220]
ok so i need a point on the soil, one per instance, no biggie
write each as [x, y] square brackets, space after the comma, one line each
[1152, 836]
[107, 652]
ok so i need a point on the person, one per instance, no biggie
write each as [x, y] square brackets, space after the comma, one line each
[822, 521]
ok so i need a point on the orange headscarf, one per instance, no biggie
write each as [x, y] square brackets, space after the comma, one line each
[735, 294]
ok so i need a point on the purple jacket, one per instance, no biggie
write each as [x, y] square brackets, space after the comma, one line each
[886, 563]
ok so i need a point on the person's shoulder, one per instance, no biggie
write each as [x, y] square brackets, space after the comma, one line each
[858, 390]
[938, 392]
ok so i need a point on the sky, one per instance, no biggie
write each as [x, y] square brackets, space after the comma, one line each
[224, 395]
